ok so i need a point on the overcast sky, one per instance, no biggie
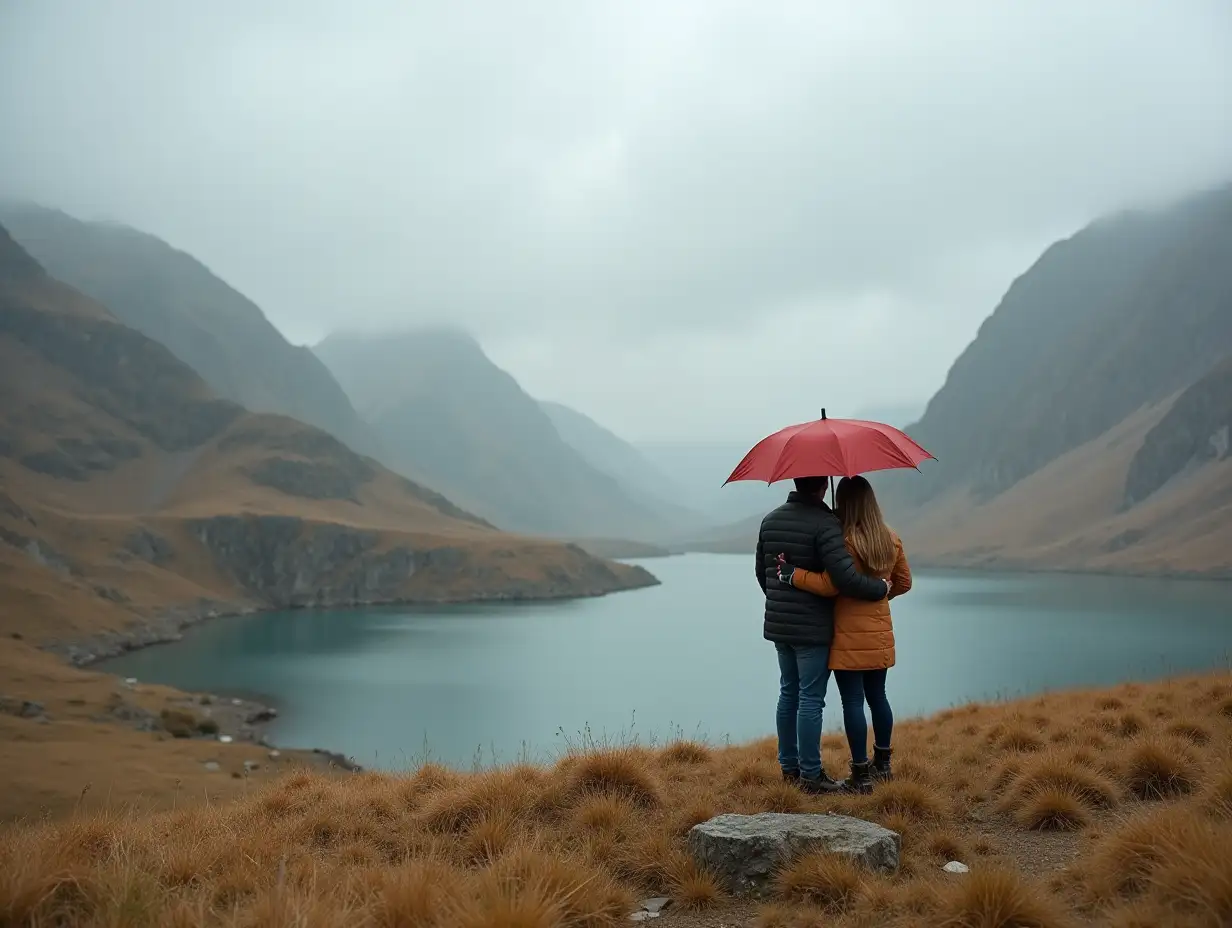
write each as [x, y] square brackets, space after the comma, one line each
[700, 219]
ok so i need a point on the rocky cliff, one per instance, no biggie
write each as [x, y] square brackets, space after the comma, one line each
[1084, 426]
[1124, 313]
[286, 562]
[1194, 432]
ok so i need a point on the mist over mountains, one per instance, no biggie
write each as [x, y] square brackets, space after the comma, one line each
[1120, 334]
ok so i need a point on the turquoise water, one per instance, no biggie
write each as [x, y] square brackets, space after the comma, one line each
[393, 686]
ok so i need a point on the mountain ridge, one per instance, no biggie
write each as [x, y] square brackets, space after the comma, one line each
[1086, 425]
[106, 435]
[449, 416]
[608, 453]
[171, 297]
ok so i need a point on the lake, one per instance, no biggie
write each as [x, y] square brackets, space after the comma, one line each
[391, 687]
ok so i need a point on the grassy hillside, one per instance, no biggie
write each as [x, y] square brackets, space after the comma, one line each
[448, 415]
[173, 299]
[1109, 808]
[133, 501]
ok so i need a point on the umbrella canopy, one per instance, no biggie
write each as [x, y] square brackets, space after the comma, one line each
[829, 448]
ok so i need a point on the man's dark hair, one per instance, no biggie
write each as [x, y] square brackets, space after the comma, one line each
[812, 486]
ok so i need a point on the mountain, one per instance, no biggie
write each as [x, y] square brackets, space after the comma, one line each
[1086, 426]
[446, 414]
[1084, 422]
[132, 491]
[612, 455]
[1125, 313]
[172, 298]
[699, 469]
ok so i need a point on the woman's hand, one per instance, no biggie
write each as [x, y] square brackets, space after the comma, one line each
[785, 570]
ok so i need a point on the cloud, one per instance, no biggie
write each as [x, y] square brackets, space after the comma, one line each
[643, 194]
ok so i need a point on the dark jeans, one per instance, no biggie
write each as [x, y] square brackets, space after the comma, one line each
[804, 673]
[857, 687]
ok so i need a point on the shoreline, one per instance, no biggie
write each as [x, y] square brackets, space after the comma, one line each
[246, 720]
[169, 624]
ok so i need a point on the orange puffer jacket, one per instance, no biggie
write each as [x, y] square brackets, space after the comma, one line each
[863, 631]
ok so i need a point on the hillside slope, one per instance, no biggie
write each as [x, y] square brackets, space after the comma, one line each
[1085, 426]
[448, 415]
[172, 298]
[122, 472]
[1126, 312]
[133, 502]
[610, 454]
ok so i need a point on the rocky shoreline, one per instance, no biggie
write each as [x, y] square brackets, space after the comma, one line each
[210, 717]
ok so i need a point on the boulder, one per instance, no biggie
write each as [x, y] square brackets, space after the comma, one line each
[746, 851]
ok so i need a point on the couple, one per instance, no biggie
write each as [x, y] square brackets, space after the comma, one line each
[828, 575]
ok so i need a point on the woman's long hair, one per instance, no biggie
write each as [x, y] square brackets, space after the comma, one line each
[868, 537]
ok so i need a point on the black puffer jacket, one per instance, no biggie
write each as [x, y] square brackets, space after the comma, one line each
[808, 532]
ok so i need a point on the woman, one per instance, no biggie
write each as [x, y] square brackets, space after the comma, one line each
[863, 646]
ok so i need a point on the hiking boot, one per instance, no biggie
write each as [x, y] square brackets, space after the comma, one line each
[822, 786]
[791, 776]
[879, 769]
[859, 781]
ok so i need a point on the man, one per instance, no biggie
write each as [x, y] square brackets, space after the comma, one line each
[801, 624]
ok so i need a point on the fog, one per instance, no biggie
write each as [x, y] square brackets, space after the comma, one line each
[697, 220]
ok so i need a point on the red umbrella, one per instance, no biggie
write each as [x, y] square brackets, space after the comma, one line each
[829, 448]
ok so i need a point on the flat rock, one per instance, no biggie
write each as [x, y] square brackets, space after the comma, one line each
[656, 904]
[747, 851]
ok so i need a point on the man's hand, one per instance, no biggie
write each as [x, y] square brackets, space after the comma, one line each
[785, 570]
[889, 586]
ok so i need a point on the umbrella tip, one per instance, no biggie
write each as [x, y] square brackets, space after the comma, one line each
[823, 413]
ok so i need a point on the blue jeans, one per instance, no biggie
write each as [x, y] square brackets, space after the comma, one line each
[804, 673]
[857, 687]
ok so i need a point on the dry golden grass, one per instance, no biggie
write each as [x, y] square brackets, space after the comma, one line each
[829, 882]
[997, 898]
[1140, 825]
[1053, 808]
[1158, 768]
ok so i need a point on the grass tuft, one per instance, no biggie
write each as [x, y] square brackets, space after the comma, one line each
[619, 772]
[1158, 768]
[686, 753]
[828, 881]
[1217, 799]
[1056, 774]
[1196, 734]
[605, 813]
[913, 801]
[997, 898]
[1053, 809]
